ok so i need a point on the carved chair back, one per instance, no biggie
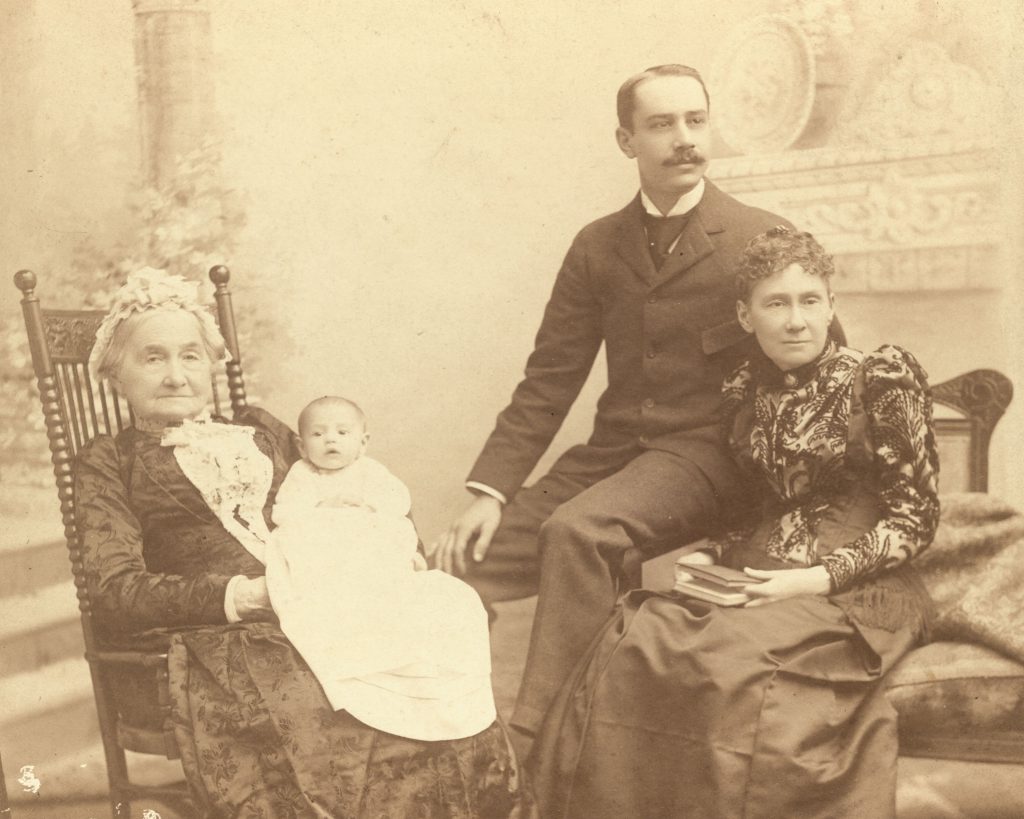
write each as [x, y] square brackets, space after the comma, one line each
[76, 410]
[981, 396]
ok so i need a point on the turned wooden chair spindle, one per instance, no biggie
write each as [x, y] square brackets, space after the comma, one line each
[76, 410]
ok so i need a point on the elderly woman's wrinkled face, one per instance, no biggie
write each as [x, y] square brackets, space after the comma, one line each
[165, 371]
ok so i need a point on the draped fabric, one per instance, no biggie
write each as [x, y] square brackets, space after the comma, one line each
[688, 710]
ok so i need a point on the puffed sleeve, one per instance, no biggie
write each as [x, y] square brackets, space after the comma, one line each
[898, 409]
[125, 596]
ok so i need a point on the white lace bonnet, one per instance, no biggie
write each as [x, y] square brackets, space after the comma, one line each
[150, 289]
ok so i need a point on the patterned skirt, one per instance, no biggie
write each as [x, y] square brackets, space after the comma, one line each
[258, 738]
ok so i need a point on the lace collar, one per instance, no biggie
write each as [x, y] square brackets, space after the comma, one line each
[233, 476]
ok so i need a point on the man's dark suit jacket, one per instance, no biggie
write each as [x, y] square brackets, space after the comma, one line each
[671, 336]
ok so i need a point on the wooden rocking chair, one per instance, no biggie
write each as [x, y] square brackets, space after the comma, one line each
[76, 410]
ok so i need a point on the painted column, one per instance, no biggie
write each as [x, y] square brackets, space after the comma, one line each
[173, 55]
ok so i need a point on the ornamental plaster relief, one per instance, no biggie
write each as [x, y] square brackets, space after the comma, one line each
[887, 222]
[893, 189]
[941, 268]
[923, 95]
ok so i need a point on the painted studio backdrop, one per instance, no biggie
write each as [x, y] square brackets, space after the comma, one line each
[394, 184]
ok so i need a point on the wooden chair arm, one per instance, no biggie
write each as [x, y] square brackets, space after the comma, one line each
[133, 737]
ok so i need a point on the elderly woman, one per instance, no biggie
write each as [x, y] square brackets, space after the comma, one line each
[774, 708]
[173, 515]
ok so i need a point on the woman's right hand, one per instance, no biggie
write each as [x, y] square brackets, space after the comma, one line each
[252, 601]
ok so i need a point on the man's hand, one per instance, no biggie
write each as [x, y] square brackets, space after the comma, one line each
[778, 585]
[475, 526]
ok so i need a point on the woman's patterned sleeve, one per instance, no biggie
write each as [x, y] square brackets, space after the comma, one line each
[906, 467]
[125, 596]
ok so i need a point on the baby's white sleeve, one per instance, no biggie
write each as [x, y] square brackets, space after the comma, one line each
[296, 495]
[386, 493]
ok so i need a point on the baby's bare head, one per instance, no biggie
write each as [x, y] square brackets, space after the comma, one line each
[331, 406]
[332, 432]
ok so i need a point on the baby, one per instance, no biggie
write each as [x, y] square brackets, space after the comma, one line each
[335, 473]
[405, 651]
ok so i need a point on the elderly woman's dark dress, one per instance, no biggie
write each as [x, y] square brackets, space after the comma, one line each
[257, 735]
[685, 709]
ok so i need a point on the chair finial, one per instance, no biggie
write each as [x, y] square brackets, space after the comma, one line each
[219, 275]
[25, 280]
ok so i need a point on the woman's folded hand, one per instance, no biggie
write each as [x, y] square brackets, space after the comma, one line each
[783, 583]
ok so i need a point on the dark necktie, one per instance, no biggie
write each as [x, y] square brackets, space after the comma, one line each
[662, 231]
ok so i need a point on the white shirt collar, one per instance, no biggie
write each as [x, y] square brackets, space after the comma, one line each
[687, 202]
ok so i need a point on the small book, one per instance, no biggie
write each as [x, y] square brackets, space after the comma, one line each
[713, 584]
[721, 576]
[711, 592]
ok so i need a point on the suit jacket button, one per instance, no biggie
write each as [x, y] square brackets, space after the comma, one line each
[644, 439]
[649, 402]
[652, 299]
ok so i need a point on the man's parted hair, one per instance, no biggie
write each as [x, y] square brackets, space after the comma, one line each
[625, 100]
[773, 251]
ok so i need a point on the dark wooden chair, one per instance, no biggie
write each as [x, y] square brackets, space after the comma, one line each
[981, 397]
[76, 410]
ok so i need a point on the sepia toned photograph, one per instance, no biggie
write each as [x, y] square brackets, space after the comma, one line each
[511, 410]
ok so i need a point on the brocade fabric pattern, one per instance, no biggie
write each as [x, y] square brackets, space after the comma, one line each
[812, 434]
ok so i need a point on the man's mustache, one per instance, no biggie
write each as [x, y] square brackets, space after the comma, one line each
[691, 157]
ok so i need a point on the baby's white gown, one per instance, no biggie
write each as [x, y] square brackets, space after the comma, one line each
[404, 651]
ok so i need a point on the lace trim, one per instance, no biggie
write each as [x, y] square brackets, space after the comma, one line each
[150, 289]
[233, 476]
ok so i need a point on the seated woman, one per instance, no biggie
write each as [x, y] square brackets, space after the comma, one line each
[774, 708]
[170, 514]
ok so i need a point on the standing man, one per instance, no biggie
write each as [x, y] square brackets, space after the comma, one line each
[654, 283]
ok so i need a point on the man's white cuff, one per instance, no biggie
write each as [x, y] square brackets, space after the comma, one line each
[487, 490]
